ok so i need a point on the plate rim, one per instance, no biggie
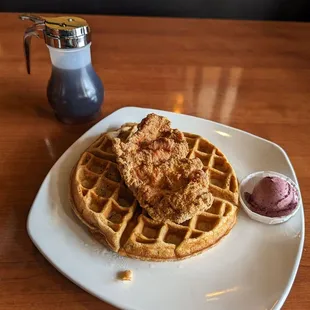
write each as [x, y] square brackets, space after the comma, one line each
[299, 253]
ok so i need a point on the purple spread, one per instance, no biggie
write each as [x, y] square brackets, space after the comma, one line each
[273, 197]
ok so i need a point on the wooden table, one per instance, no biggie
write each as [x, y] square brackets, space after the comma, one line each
[251, 75]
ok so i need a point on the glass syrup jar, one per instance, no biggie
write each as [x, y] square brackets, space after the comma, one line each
[74, 91]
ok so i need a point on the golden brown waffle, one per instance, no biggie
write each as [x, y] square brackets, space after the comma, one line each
[103, 203]
[223, 180]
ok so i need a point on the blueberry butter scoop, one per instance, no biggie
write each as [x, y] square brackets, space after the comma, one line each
[272, 197]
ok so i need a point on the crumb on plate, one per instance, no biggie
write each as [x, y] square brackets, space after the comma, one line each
[125, 275]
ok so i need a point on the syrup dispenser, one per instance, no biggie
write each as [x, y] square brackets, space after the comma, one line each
[74, 90]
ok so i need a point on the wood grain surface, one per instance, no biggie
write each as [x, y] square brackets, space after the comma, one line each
[250, 75]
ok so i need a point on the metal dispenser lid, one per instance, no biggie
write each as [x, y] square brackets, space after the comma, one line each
[62, 32]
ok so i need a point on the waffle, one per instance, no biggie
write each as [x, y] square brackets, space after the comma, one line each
[106, 206]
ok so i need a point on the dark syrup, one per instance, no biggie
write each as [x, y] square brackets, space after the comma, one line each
[75, 95]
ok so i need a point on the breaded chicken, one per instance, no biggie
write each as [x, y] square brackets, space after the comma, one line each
[154, 166]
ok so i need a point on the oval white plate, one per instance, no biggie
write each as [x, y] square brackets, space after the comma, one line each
[252, 268]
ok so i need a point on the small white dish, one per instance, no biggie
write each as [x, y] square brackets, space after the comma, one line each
[252, 268]
[247, 185]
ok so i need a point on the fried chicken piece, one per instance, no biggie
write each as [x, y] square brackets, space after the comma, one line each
[154, 166]
[175, 190]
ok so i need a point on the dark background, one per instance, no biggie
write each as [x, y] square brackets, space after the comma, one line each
[285, 10]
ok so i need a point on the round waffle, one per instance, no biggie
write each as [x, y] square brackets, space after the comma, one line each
[102, 201]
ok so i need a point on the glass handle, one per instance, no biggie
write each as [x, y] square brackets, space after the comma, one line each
[29, 33]
[35, 30]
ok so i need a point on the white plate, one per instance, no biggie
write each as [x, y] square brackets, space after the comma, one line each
[252, 268]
